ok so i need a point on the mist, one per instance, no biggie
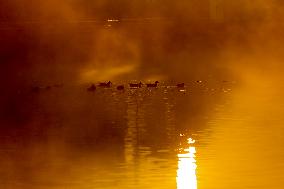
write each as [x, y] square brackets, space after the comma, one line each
[71, 41]
[55, 133]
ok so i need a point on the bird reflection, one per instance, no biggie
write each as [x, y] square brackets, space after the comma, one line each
[186, 173]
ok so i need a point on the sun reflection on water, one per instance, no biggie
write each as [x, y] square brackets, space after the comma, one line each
[186, 173]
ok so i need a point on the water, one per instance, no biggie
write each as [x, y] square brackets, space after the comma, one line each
[204, 137]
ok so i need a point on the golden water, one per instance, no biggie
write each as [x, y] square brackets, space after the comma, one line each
[203, 137]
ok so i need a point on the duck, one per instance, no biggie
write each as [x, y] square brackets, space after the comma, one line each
[92, 88]
[120, 87]
[108, 84]
[136, 85]
[153, 84]
[180, 85]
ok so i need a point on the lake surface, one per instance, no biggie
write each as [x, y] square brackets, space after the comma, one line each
[200, 137]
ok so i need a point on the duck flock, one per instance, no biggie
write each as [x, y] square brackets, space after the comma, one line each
[120, 87]
[93, 87]
[182, 87]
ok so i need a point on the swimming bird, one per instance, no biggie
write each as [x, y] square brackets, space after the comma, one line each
[135, 85]
[153, 84]
[180, 85]
[120, 87]
[108, 84]
[92, 88]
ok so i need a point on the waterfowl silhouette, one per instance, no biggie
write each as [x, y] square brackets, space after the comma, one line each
[180, 85]
[153, 84]
[92, 88]
[135, 85]
[120, 87]
[108, 84]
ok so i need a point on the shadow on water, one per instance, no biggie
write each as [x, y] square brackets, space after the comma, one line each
[79, 139]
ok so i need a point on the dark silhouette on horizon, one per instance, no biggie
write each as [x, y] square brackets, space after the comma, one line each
[153, 84]
[135, 85]
[107, 85]
[180, 85]
[92, 88]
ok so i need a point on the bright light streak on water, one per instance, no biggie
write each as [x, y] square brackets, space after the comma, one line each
[186, 173]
